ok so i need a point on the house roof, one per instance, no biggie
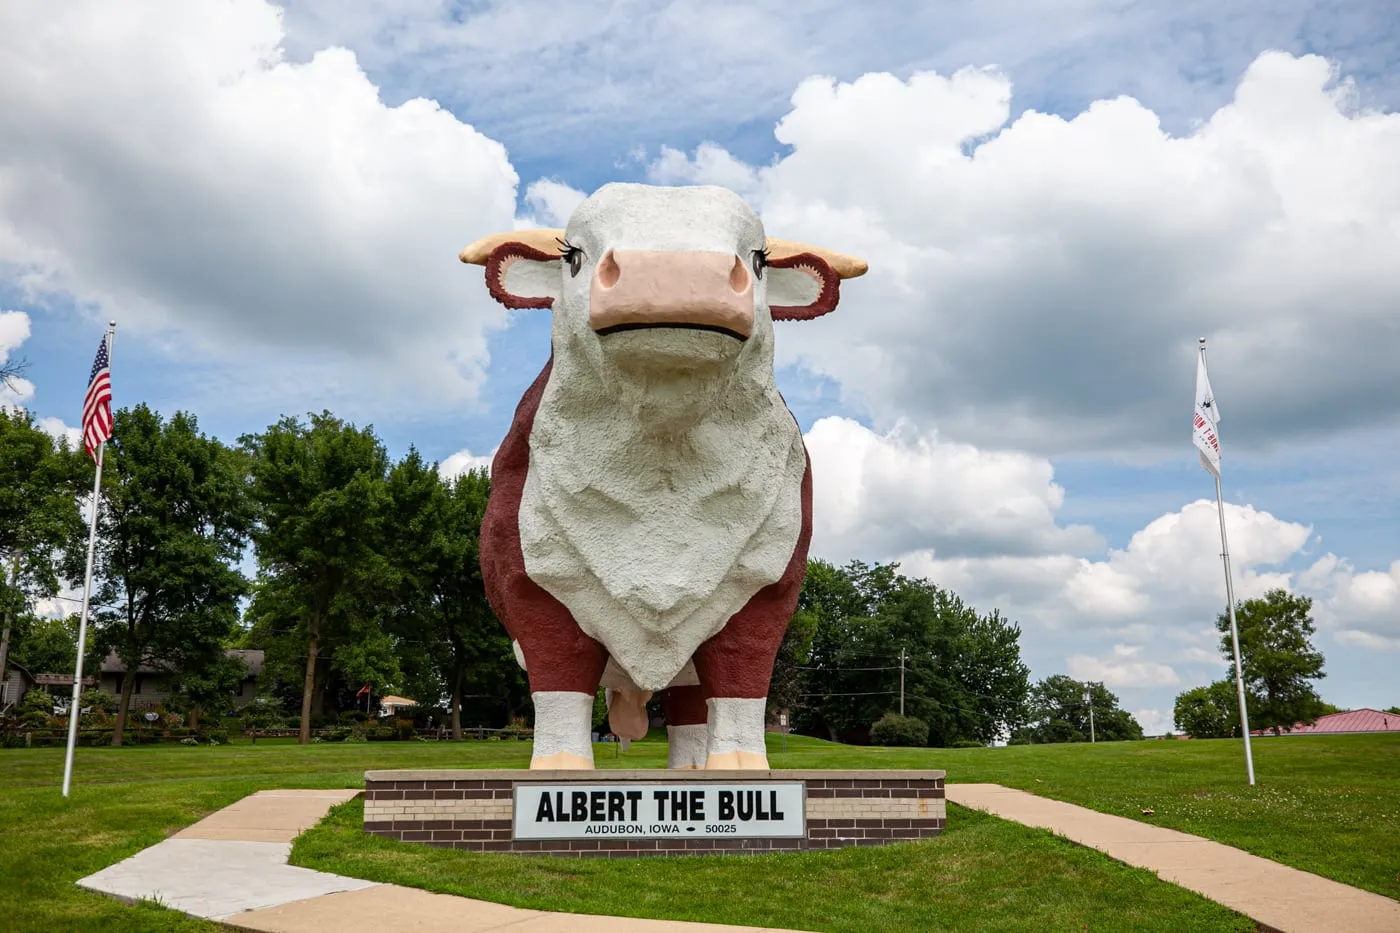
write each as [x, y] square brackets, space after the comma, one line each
[397, 701]
[253, 657]
[1352, 720]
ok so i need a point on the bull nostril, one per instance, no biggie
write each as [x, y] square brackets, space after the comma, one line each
[608, 271]
[738, 276]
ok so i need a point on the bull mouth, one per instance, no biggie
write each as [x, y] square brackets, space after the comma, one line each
[713, 328]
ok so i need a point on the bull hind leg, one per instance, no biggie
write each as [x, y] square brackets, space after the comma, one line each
[687, 727]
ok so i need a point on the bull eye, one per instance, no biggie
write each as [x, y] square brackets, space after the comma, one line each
[572, 255]
[760, 262]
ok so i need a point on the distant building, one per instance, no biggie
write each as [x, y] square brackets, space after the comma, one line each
[152, 685]
[1352, 720]
[394, 706]
[16, 685]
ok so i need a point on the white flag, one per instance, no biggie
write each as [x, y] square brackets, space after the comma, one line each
[1206, 418]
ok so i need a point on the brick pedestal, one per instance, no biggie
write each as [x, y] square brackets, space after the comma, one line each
[473, 809]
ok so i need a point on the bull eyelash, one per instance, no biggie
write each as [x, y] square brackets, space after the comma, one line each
[571, 254]
[760, 262]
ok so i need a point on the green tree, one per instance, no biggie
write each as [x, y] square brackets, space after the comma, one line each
[452, 645]
[171, 531]
[321, 501]
[46, 646]
[39, 485]
[209, 685]
[1209, 712]
[1057, 712]
[1278, 659]
[963, 673]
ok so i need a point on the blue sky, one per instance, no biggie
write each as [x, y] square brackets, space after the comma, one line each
[274, 224]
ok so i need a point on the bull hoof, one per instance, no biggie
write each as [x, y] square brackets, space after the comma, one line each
[561, 761]
[736, 761]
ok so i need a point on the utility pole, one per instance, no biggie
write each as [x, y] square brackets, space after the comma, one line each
[901, 681]
[1089, 701]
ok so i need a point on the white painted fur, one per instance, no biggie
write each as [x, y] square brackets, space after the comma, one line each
[687, 746]
[736, 726]
[563, 723]
[665, 471]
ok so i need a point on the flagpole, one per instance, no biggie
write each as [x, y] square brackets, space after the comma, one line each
[1234, 627]
[73, 710]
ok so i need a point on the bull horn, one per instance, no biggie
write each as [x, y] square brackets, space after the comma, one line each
[847, 267]
[543, 239]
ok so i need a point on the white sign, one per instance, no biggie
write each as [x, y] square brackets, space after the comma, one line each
[690, 810]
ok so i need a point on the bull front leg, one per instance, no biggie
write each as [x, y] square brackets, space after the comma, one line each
[734, 668]
[564, 667]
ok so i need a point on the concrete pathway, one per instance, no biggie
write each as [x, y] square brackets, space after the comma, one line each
[232, 867]
[1286, 899]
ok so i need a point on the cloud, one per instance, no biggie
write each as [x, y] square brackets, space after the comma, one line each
[1120, 670]
[877, 496]
[1040, 282]
[551, 202]
[14, 330]
[599, 79]
[179, 173]
[463, 461]
[1154, 721]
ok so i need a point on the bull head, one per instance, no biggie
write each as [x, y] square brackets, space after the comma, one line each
[693, 284]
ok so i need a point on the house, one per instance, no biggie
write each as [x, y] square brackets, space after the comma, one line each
[1352, 720]
[152, 685]
[16, 685]
[394, 706]
[19, 682]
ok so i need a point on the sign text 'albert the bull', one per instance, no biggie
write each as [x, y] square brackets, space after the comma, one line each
[650, 508]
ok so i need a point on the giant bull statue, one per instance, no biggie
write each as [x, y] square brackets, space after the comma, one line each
[650, 507]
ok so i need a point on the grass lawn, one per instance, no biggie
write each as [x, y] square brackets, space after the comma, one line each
[1325, 804]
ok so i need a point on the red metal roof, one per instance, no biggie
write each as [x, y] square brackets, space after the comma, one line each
[1353, 720]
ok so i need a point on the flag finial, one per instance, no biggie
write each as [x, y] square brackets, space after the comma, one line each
[1203, 340]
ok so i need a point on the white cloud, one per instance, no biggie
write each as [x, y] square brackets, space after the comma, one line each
[165, 162]
[877, 496]
[1121, 670]
[1154, 721]
[463, 461]
[1040, 282]
[57, 428]
[14, 330]
[551, 202]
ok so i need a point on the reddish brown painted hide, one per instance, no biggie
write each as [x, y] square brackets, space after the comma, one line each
[737, 662]
[558, 655]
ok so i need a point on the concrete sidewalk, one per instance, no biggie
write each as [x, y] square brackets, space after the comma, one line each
[232, 867]
[1275, 895]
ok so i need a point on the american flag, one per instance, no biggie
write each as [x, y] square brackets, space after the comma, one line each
[97, 404]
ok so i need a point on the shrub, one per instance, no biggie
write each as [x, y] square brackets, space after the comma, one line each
[517, 731]
[191, 741]
[892, 729]
[355, 736]
[98, 702]
[37, 700]
[214, 736]
[405, 729]
[967, 743]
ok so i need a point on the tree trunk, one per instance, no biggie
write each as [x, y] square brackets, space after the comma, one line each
[309, 684]
[5, 638]
[194, 717]
[124, 707]
[457, 700]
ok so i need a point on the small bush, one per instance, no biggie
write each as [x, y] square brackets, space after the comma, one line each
[892, 729]
[405, 729]
[516, 730]
[98, 702]
[967, 743]
[191, 741]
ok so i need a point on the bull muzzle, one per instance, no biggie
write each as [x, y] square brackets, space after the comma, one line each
[701, 290]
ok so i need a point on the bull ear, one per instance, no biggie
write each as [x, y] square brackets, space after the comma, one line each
[520, 276]
[801, 287]
[522, 266]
